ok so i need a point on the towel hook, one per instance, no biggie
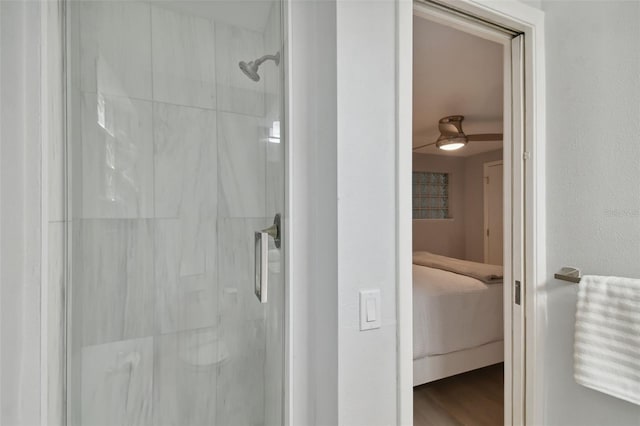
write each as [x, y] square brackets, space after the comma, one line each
[569, 274]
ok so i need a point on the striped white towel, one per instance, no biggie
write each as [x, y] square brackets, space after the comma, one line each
[607, 336]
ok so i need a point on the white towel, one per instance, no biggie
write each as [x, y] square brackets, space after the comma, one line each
[607, 336]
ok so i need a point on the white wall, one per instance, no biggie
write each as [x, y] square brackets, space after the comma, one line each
[313, 261]
[593, 181]
[366, 56]
[342, 113]
[20, 220]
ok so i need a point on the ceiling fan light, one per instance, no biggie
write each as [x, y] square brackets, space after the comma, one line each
[452, 146]
[451, 143]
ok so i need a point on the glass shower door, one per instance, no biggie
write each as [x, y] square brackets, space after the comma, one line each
[175, 160]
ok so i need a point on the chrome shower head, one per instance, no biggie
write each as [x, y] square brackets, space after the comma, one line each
[250, 69]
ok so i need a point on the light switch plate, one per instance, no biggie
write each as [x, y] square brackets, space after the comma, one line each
[369, 309]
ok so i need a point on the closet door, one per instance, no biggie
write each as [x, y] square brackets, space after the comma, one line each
[493, 213]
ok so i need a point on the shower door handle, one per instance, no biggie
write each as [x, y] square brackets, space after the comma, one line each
[261, 242]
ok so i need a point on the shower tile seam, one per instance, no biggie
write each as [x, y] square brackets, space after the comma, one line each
[185, 330]
[155, 101]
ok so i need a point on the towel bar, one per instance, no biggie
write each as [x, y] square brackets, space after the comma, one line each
[568, 274]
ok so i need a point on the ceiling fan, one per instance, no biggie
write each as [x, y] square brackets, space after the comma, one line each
[452, 137]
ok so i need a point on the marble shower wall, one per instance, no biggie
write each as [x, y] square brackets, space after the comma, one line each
[171, 176]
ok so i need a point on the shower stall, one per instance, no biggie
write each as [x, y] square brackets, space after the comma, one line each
[175, 172]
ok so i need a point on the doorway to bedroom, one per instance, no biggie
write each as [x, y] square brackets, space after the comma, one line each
[462, 216]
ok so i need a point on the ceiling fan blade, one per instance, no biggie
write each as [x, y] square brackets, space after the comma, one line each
[485, 137]
[415, 148]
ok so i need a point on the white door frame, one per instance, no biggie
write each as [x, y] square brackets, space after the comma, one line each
[485, 202]
[529, 21]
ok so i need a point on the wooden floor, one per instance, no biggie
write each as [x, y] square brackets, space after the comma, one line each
[471, 399]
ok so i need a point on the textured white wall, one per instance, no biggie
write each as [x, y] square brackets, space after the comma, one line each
[20, 220]
[342, 114]
[313, 261]
[366, 59]
[593, 182]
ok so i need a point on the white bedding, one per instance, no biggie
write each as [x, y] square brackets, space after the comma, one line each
[452, 312]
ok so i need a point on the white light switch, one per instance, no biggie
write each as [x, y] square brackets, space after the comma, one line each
[369, 309]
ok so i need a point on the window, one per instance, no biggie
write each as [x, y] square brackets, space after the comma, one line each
[430, 195]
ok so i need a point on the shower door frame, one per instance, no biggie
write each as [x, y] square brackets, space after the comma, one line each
[54, 82]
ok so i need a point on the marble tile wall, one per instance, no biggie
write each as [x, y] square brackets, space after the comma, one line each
[185, 208]
[172, 175]
[115, 54]
[241, 153]
[183, 59]
[241, 386]
[186, 377]
[117, 383]
[183, 301]
[237, 93]
[242, 325]
[113, 279]
[117, 157]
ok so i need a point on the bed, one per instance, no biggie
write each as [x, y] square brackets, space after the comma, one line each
[457, 318]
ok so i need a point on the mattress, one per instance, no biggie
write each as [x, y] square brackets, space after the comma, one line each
[452, 312]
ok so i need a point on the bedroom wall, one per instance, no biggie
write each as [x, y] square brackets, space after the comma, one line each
[462, 236]
[443, 236]
[474, 204]
[593, 175]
